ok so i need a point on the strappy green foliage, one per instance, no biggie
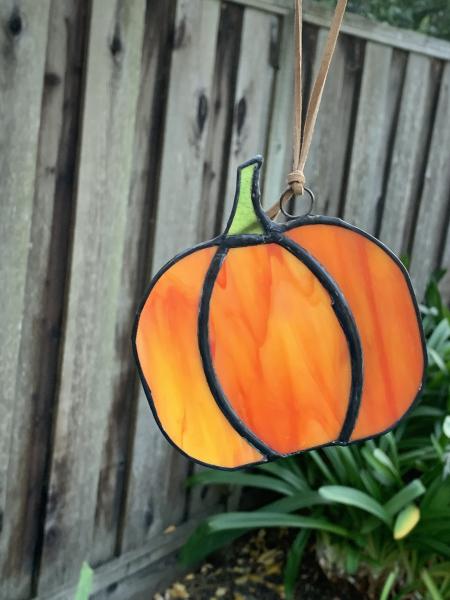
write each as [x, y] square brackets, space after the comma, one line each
[382, 506]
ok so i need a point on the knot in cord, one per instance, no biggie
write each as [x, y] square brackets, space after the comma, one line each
[296, 181]
[303, 134]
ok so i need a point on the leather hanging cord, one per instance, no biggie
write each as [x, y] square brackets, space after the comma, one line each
[303, 139]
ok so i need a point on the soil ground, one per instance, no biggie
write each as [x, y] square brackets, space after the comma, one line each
[252, 569]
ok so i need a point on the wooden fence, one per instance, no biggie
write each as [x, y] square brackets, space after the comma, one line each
[121, 127]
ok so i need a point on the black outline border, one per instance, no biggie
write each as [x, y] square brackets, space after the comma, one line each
[274, 233]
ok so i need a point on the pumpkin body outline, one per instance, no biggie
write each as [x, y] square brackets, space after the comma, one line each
[274, 233]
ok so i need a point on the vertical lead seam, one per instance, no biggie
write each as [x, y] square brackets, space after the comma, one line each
[347, 322]
[205, 352]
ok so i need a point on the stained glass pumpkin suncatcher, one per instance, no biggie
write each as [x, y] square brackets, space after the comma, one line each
[278, 338]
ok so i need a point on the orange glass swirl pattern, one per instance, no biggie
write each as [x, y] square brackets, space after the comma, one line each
[382, 306]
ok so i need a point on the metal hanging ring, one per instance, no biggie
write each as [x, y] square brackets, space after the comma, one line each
[288, 195]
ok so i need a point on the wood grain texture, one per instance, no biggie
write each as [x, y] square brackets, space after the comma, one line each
[408, 153]
[88, 377]
[253, 98]
[366, 168]
[155, 495]
[189, 107]
[116, 453]
[279, 143]
[44, 293]
[325, 168]
[136, 572]
[92, 201]
[202, 500]
[431, 222]
[23, 39]
[272, 6]
[445, 264]
[221, 119]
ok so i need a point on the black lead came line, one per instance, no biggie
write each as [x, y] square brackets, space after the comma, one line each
[348, 325]
[341, 310]
[205, 351]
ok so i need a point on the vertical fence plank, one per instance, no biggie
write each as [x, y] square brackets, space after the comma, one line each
[188, 114]
[44, 292]
[23, 39]
[156, 493]
[86, 379]
[445, 264]
[140, 209]
[431, 221]
[216, 102]
[408, 153]
[220, 127]
[279, 146]
[365, 177]
[202, 499]
[253, 94]
[326, 163]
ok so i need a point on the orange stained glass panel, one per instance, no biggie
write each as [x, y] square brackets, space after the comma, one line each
[382, 306]
[169, 356]
[278, 350]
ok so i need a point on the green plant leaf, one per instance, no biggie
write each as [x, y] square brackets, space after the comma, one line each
[391, 443]
[446, 426]
[383, 474]
[436, 359]
[322, 466]
[430, 543]
[442, 569]
[430, 585]
[337, 463]
[202, 542]
[426, 411]
[245, 479]
[283, 471]
[347, 454]
[352, 560]
[405, 522]
[384, 459]
[370, 484]
[388, 585]
[255, 520]
[84, 586]
[353, 497]
[440, 336]
[405, 496]
[293, 561]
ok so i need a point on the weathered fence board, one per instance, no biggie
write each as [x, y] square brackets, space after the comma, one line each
[431, 222]
[88, 369]
[128, 121]
[279, 146]
[253, 95]
[156, 497]
[113, 471]
[23, 38]
[328, 154]
[445, 284]
[365, 178]
[408, 152]
[221, 119]
[44, 292]
[189, 108]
